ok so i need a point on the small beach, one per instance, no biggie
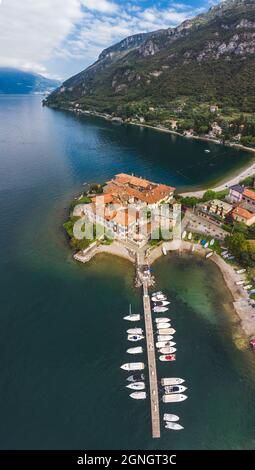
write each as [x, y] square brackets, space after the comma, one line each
[227, 184]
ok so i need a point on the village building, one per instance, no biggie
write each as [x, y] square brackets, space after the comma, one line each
[174, 124]
[244, 214]
[216, 130]
[124, 207]
[236, 194]
[249, 197]
[213, 108]
[188, 133]
[215, 210]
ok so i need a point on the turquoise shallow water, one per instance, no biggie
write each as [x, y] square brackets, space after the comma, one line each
[62, 337]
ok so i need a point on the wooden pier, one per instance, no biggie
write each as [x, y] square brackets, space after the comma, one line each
[155, 418]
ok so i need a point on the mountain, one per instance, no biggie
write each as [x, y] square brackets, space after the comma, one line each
[14, 81]
[208, 59]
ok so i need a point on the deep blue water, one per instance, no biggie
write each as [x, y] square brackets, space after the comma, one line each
[62, 337]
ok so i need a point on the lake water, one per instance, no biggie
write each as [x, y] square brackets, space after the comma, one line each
[62, 337]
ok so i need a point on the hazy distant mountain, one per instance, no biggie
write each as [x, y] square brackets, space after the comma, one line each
[210, 58]
[13, 81]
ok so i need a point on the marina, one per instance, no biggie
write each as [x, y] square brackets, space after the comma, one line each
[165, 347]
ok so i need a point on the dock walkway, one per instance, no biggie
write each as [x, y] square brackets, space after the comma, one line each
[155, 419]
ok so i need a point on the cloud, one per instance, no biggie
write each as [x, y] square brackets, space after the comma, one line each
[101, 5]
[68, 35]
[31, 30]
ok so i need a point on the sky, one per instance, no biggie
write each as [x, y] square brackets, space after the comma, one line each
[59, 38]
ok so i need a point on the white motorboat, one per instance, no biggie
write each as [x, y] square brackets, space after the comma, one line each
[162, 344]
[209, 254]
[240, 283]
[174, 389]
[157, 293]
[133, 366]
[136, 386]
[170, 417]
[174, 398]
[173, 426]
[163, 326]
[167, 357]
[160, 309]
[133, 317]
[207, 151]
[167, 350]
[162, 320]
[135, 378]
[138, 395]
[158, 298]
[168, 331]
[165, 337]
[135, 331]
[184, 234]
[172, 381]
[190, 236]
[165, 344]
[241, 271]
[224, 253]
[135, 338]
[137, 350]
[164, 250]
[163, 303]
[247, 287]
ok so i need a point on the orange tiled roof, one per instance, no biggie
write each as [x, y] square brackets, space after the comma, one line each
[103, 198]
[124, 178]
[239, 211]
[250, 194]
[154, 194]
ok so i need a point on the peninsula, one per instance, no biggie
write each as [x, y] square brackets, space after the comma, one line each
[128, 217]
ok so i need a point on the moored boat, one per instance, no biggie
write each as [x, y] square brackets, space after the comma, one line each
[135, 331]
[167, 350]
[173, 426]
[137, 350]
[136, 386]
[170, 417]
[209, 254]
[135, 338]
[136, 377]
[241, 271]
[248, 286]
[159, 299]
[161, 303]
[174, 389]
[133, 317]
[162, 320]
[138, 395]
[165, 337]
[160, 309]
[133, 366]
[163, 326]
[167, 331]
[172, 381]
[167, 357]
[164, 344]
[240, 283]
[174, 398]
